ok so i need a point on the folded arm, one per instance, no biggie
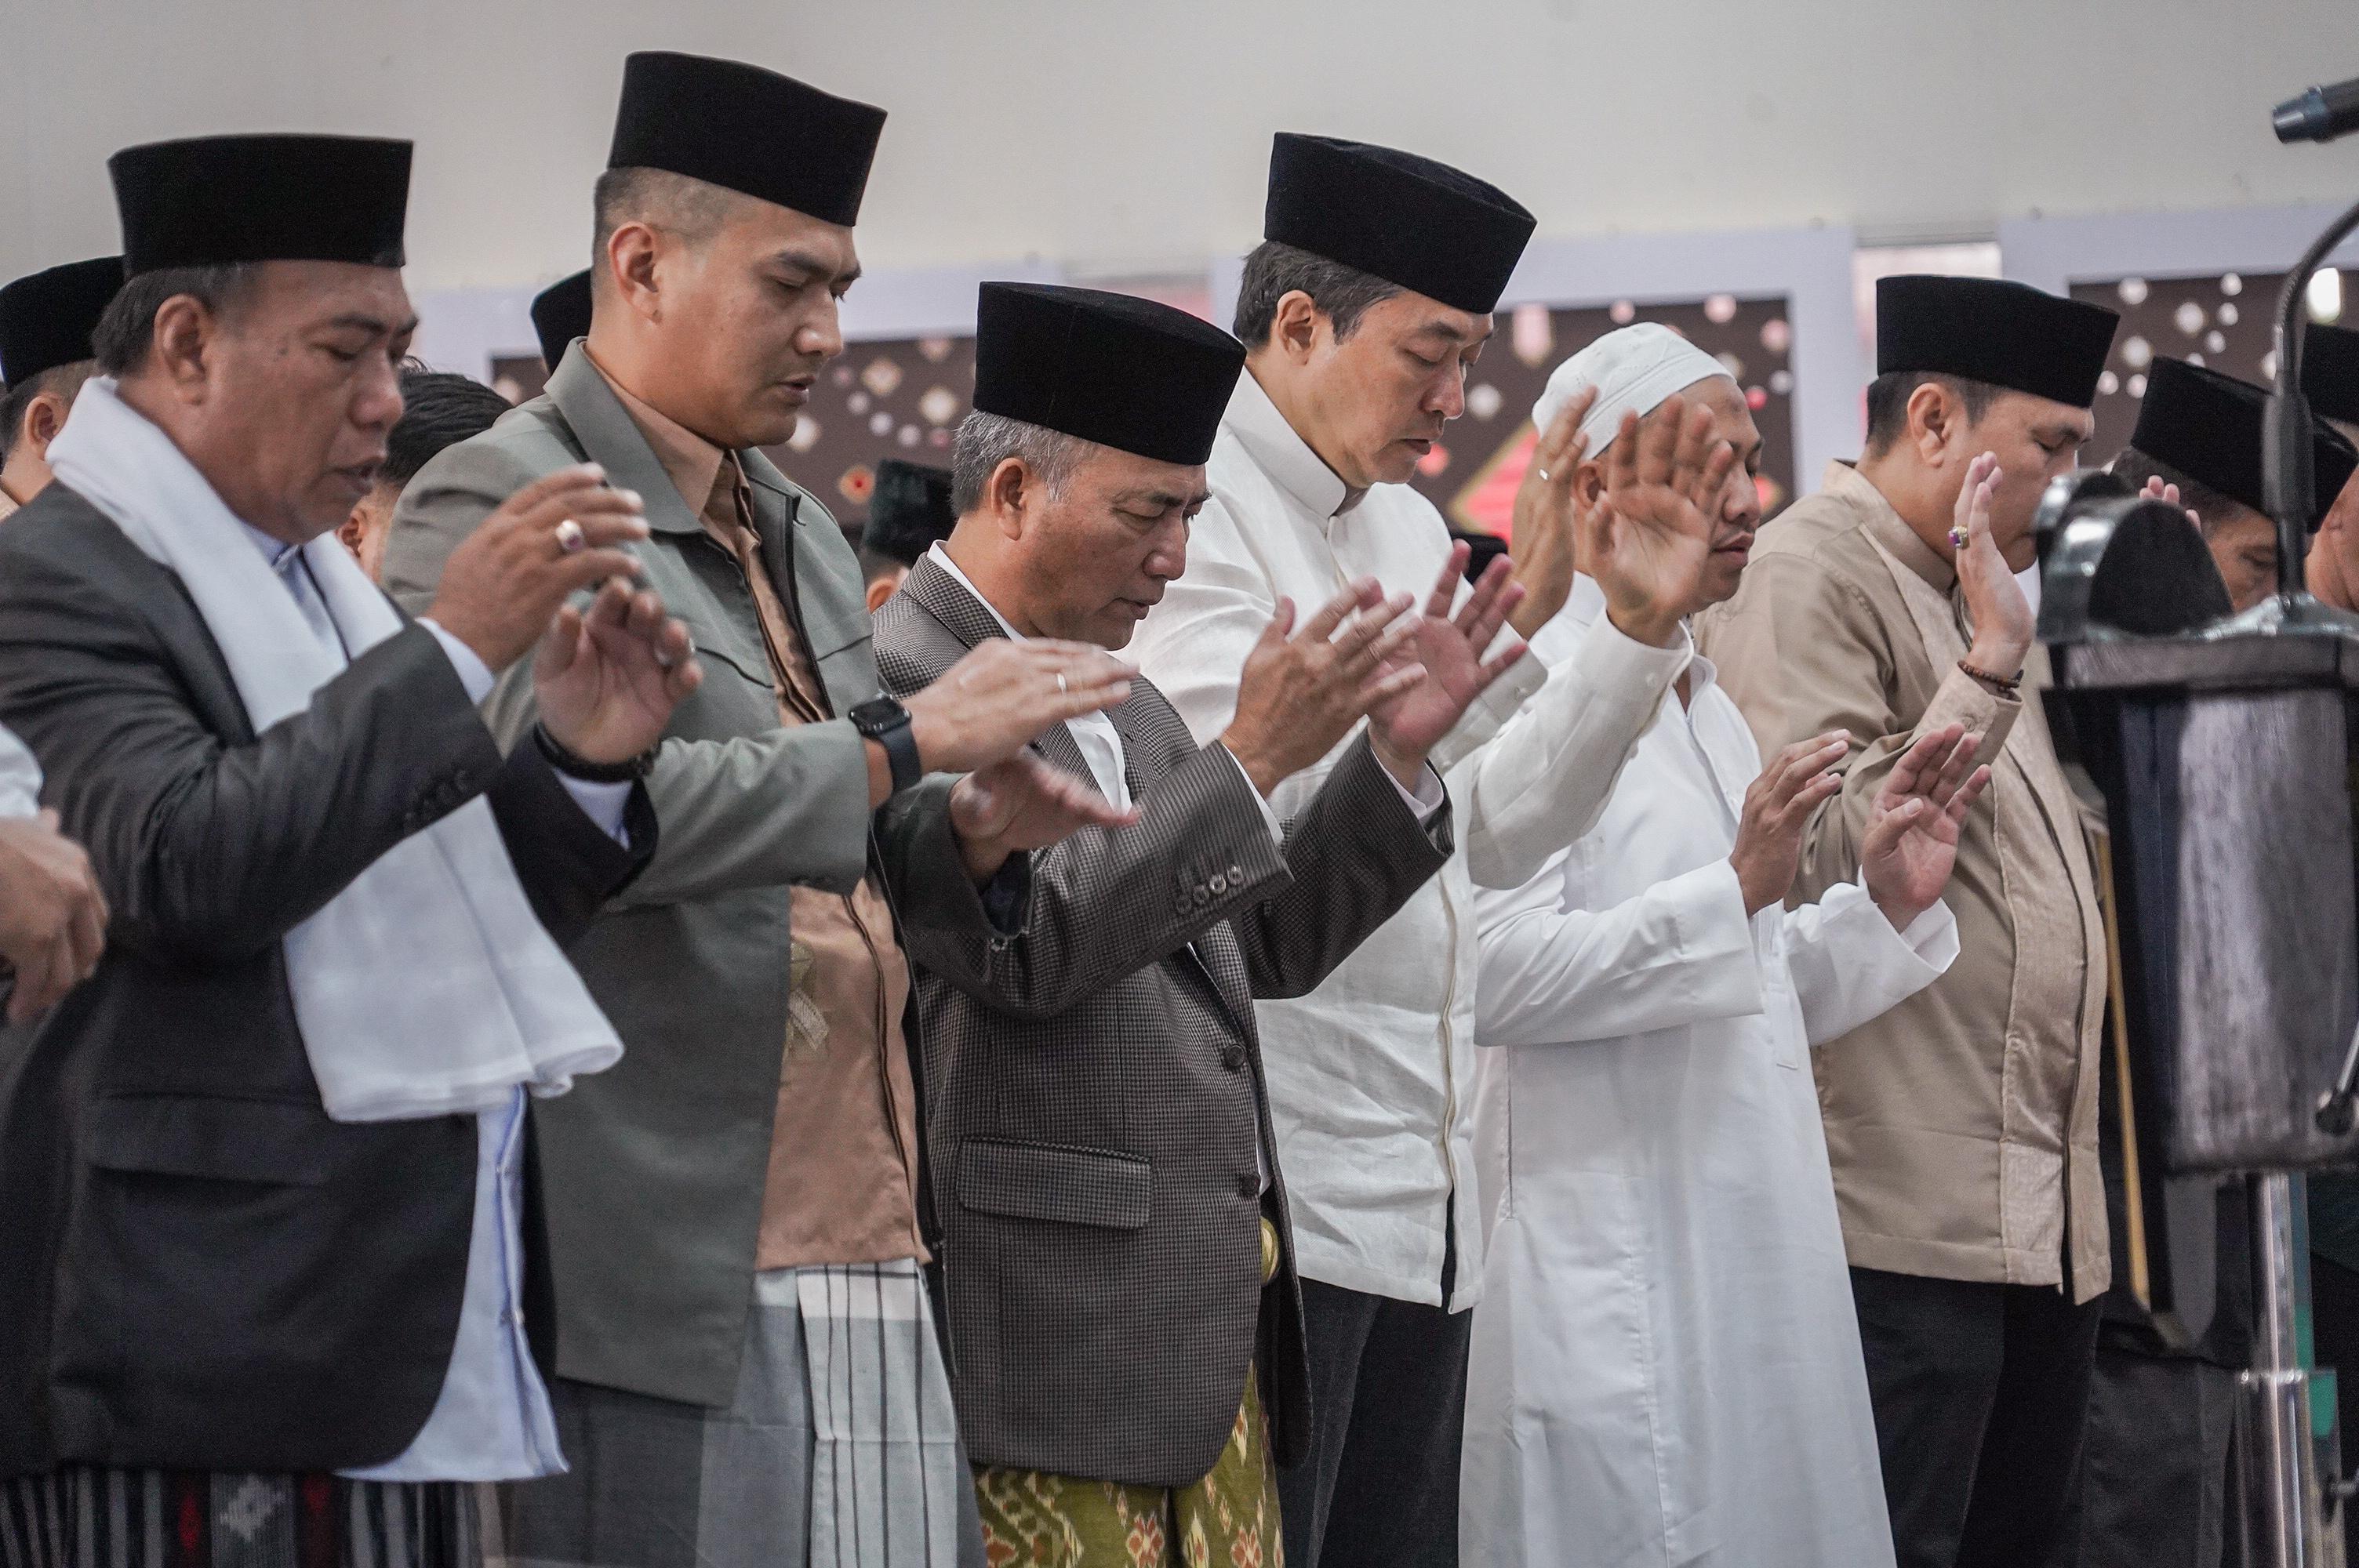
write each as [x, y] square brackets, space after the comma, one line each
[1680, 953]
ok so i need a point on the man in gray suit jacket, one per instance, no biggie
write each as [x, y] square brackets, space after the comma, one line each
[1122, 1294]
[735, 1216]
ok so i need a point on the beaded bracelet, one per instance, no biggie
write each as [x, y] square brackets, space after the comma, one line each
[1999, 684]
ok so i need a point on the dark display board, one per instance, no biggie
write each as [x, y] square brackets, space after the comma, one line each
[2222, 320]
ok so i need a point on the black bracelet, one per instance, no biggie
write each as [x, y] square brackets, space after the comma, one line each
[628, 771]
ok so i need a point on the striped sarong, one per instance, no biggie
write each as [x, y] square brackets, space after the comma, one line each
[88, 1516]
[840, 1451]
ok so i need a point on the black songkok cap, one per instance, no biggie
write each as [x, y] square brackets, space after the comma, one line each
[214, 200]
[46, 318]
[1990, 331]
[2330, 372]
[1108, 368]
[908, 510]
[2208, 426]
[750, 130]
[1393, 215]
[560, 313]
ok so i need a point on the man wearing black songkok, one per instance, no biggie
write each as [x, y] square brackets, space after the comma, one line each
[737, 1221]
[45, 320]
[1141, 1378]
[1962, 1125]
[265, 1249]
[908, 514]
[2199, 432]
[560, 313]
[1362, 311]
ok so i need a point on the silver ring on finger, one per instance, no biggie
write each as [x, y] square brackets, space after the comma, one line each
[571, 539]
[1061, 683]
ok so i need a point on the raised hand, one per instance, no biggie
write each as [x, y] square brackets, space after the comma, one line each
[1022, 803]
[1000, 697]
[606, 680]
[1546, 508]
[1650, 536]
[1777, 806]
[2001, 616]
[2169, 495]
[549, 540]
[1404, 727]
[1298, 696]
[52, 915]
[1914, 823]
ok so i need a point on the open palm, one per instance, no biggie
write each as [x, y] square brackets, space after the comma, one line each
[1650, 532]
[1913, 826]
[1451, 648]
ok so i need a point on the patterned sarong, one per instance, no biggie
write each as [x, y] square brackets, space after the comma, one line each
[84, 1517]
[841, 1450]
[1228, 1519]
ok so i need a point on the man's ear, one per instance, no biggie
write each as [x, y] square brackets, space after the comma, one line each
[633, 253]
[1294, 326]
[354, 529]
[43, 420]
[882, 589]
[1006, 493]
[1589, 481]
[1935, 415]
[183, 338]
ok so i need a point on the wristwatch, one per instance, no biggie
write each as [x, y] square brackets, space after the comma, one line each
[886, 722]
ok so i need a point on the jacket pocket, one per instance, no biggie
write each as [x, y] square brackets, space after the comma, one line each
[1055, 1182]
[275, 1141]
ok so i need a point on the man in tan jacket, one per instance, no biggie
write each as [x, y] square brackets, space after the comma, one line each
[1962, 1125]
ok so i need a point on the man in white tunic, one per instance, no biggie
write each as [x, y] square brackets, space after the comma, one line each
[1667, 1369]
[1361, 312]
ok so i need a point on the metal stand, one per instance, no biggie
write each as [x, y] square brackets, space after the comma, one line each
[2290, 1474]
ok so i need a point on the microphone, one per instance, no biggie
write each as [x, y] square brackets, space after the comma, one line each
[2320, 114]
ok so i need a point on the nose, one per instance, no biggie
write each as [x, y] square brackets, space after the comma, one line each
[1449, 399]
[821, 333]
[376, 400]
[1168, 558]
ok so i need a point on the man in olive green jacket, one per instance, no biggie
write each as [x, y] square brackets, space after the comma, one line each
[734, 1216]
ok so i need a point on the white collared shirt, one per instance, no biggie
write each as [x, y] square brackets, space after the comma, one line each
[1371, 1073]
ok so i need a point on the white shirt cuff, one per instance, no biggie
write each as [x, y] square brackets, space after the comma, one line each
[603, 804]
[1427, 799]
[473, 674]
[1269, 817]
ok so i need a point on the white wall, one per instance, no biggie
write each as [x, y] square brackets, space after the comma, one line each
[1132, 134]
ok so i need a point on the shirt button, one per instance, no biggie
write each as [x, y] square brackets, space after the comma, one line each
[1237, 877]
[1233, 1057]
[1248, 1186]
[1220, 883]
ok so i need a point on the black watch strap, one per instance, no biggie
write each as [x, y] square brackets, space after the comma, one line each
[886, 722]
[573, 765]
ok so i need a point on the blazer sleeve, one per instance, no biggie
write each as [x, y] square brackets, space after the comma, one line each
[1354, 855]
[788, 805]
[1106, 902]
[207, 851]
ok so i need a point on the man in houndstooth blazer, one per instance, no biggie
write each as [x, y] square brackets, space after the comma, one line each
[1096, 1103]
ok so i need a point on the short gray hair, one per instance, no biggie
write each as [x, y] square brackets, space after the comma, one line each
[986, 440]
[128, 329]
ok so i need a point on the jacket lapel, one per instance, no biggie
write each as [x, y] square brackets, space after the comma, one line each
[971, 621]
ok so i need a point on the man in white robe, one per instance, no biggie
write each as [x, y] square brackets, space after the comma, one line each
[1668, 1367]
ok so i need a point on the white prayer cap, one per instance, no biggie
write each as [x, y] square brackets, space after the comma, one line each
[1634, 369]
